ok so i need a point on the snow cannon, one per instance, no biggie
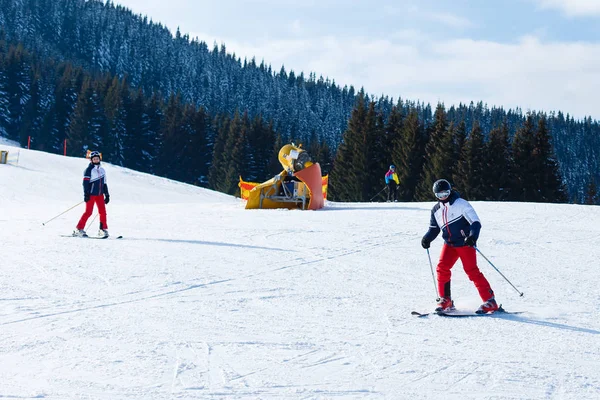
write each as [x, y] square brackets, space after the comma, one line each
[298, 186]
[293, 158]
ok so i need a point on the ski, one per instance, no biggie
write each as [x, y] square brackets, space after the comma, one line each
[465, 314]
[418, 314]
[93, 237]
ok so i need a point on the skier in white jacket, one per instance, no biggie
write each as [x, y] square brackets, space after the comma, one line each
[95, 191]
[460, 226]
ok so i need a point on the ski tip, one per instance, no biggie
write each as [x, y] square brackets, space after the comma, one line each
[119, 237]
[418, 314]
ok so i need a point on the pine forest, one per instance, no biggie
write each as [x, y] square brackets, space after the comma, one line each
[82, 75]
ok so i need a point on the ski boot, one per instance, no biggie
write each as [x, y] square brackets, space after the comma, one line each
[488, 306]
[445, 304]
[79, 233]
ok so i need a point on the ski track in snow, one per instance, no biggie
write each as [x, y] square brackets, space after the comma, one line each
[202, 299]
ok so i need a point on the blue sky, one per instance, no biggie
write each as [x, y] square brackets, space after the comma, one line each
[534, 54]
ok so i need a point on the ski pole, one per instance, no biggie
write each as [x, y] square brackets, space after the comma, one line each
[433, 276]
[486, 259]
[44, 223]
[90, 224]
[378, 193]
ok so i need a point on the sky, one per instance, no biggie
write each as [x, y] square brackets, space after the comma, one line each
[541, 55]
[203, 299]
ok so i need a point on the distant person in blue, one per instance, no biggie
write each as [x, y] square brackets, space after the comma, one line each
[95, 191]
[392, 182]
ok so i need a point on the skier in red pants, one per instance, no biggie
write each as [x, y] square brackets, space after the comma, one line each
[95, 191]
[460, 227]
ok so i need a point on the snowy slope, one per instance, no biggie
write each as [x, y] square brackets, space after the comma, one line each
[203, 299]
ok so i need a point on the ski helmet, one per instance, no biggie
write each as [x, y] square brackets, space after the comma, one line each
[95, 154]
[392, 166]
[442, 189]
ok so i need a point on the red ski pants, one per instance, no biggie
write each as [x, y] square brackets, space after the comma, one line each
[89, 209]
[468, 257]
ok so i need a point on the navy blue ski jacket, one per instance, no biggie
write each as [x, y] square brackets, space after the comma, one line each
[456, 219]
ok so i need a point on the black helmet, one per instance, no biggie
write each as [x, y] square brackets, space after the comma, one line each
[442, 189]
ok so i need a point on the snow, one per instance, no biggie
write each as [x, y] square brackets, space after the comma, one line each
[203, 299]
[7, 142]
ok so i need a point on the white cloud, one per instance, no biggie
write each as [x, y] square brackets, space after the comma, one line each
[573, 8]
[412, 11]
[451, 20]
[296, 27]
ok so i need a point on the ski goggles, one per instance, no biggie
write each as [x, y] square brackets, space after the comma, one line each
[442, 195]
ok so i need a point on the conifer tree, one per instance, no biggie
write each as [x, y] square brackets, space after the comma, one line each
[192, 136]
[261, 139]
[498, 165]
[460, 138]
[392, 142]
[4, 115]
[136, 124]
[218, 165]
[236, 146]
[341, 186]
[320, 153]
[116, 103]
[440, 157]
[356, 174]
[274, 166]
[469, 175]
[58, 119]
[151, 146]
[377, 152]
[325, 158]
[525, 182]
[591, 195]
[549, 180]
[199, 148]
[85, 124]
[345, 182]
[173, 140]
[16, 88]
[314, 146]
[31, 125]
[409, 156]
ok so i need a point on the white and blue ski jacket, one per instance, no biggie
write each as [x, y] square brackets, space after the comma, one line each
[456, 219]
[94, 180]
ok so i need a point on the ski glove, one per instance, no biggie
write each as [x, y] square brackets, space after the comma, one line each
[470, 241]
[86, 197]
[106, 198]
[425, 243]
